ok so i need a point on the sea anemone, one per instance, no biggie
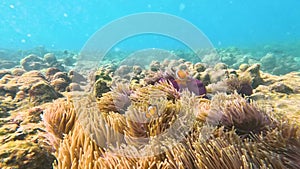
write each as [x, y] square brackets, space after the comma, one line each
[158, 126]
[159, 90]
[77, 150]
[284, 142]
[233, 111]
[241, 84]
[116, 100]
[179, 79]
[58, 119]
[111, 139]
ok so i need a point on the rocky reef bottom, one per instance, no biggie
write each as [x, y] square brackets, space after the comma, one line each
[168, 114]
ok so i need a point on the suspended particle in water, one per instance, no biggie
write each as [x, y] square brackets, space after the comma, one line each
[116, 49]
[181, 7]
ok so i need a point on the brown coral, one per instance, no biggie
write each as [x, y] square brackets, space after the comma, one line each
[42, 92]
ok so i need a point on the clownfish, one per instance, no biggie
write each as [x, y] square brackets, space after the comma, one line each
[182, 78]
[151, 112]
[185, 81]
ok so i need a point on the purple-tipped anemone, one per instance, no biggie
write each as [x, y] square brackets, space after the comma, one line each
[193, 85]
[196, 86]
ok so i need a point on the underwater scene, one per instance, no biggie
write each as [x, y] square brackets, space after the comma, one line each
[149, 84]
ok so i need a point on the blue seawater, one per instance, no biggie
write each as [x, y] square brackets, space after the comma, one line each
[68, 24]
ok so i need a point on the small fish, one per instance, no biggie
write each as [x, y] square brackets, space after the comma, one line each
[182, 77]
[182, 80]
[151, 112]
[182, 74]
[185, 81]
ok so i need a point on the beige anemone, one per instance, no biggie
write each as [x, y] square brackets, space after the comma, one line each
[58, 119]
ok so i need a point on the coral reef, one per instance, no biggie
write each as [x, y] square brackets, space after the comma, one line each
[5, 64]
[21, 145]
[42, 92]
[17, 85]
[50, 58]
[271, 94]
[32, 62]
[169, 114]
[277, 61]
[229, 129]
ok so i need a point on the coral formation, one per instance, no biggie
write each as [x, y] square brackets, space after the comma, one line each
[50, 72]
[42, 92]
[273, 60]
[32, 62]
[18, 85]
[101, 86]
[59, 84]
[21, 146]
[6, 64]
[50, 58]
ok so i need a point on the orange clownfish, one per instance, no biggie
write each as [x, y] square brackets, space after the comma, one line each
[151, 112]
[182, 77]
